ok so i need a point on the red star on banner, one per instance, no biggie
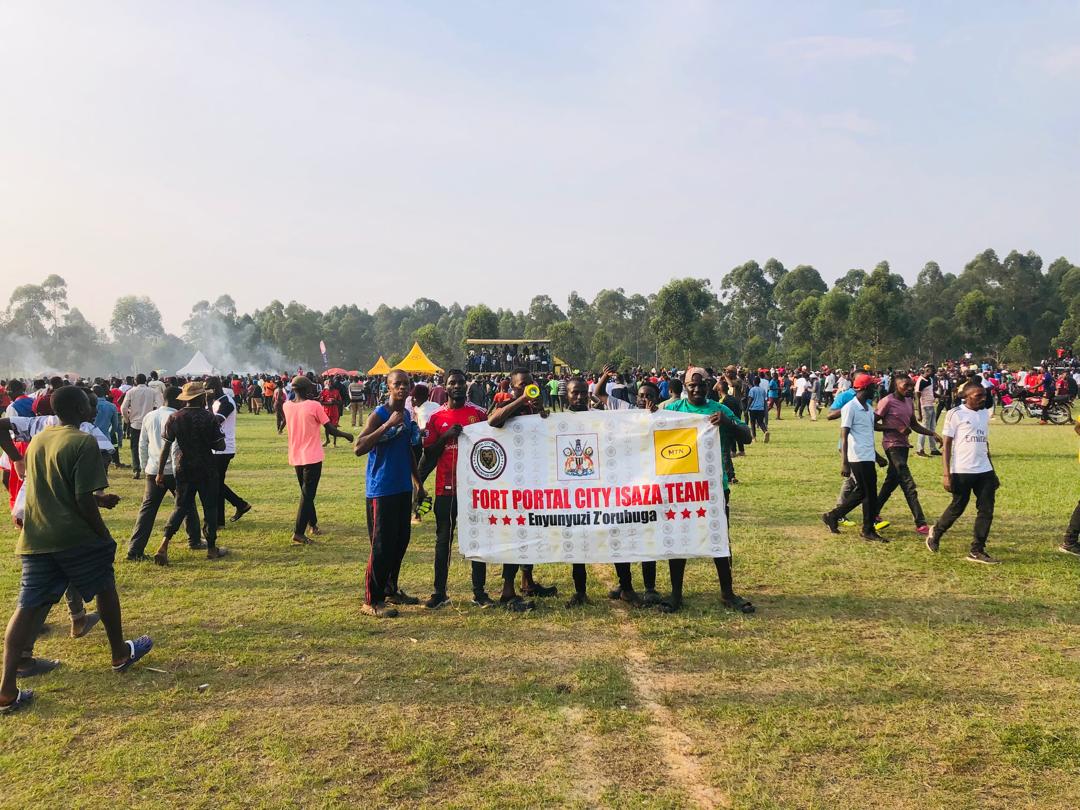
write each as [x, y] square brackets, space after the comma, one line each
[701, 512]
[686, 514]
[493, 520]
[521, 520]
[670, 514]
[506, 520]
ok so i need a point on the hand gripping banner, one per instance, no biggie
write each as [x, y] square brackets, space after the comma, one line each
[591, 487]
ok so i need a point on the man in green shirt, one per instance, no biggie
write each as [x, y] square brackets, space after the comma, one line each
[64, 541]
[697, 401]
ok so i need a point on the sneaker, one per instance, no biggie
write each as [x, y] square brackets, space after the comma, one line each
[1070, 548]
[880, 524]
[830, 520]
[437, 601]
[379, 611]
[873, 537]
[933, 542]
[924, 530]
[845, 523]
[935, 452]
[482, 600]
[981, 557]
[401, 598]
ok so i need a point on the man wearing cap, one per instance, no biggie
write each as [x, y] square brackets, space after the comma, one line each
[858, 421]
[196, 433]
[697, 401]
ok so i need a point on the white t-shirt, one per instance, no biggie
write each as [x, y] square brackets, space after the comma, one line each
[421, 413]
[969, 431]
[860, 422]
[800, 386]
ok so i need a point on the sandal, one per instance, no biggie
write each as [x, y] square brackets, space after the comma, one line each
[22, 700]
[37, 666]
[515, 604]
[538, 590]
[139, 647]
[88, 622]
[739, 604]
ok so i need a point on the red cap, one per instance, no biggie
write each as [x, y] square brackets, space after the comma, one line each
[864, 381]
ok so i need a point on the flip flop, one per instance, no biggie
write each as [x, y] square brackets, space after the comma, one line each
[139, 647]
[38, 666]
[89, 620]
[22, 700]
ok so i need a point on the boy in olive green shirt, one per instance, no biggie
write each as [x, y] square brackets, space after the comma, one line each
[64, 541]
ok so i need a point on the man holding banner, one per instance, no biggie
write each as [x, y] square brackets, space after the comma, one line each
[597, 487]
[697, 385]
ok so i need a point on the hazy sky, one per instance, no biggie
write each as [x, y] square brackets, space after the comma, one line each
[367, 153]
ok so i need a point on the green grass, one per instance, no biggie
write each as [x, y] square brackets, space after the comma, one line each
[871, 676]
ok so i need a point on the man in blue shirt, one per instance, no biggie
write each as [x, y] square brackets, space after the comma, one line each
[755, 410]
[387, 440]
[107, 420]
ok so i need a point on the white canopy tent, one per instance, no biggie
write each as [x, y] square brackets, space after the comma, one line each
[197, 366]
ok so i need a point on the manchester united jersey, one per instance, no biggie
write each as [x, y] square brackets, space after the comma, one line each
[437, 425]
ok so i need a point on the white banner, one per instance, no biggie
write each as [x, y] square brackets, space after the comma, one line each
[591, 487]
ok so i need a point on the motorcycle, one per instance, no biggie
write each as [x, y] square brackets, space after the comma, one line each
[1057, 412]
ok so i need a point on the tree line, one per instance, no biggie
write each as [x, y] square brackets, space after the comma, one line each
[1012, 310]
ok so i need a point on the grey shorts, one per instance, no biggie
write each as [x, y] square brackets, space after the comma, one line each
[45, 577]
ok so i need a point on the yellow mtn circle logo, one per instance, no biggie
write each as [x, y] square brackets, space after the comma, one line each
[676, 451]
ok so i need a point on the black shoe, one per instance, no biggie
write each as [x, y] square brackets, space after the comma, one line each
[1070, 548]
[241, 510]
[137, 476]
[482, 600]
[651, 597]
[197, 546]
[935, 452]
[578, 600]
[981, 557]
[35, 667]
[401, 598]
[873, 537]
[615, 593]
[933, 542]
[515, 604]
[437, 601]
[830, 520]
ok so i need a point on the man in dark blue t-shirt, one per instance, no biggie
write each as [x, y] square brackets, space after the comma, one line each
[387, 439]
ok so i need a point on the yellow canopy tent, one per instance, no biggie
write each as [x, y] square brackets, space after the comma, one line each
[379, 369]
[416, 362]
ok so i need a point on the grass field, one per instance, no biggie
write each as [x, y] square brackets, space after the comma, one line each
[870, 676]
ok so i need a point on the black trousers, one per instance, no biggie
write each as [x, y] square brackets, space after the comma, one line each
[389, 527]
[144, 524]
[1072, 534]
[865, 475]
[899, 475]
[445, 509]
[677, 568]
[136, 466]
[226, 493]
[206, 489]
[307, 476]
[758, 419]
[626, 578]
[984, 485]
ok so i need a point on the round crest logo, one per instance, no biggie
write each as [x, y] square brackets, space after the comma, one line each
[488, 459]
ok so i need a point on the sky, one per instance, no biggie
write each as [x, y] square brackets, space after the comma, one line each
[367, 153]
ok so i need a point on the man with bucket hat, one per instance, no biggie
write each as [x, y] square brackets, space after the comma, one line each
[197, 434]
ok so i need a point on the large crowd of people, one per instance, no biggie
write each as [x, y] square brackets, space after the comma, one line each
[61, 438]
